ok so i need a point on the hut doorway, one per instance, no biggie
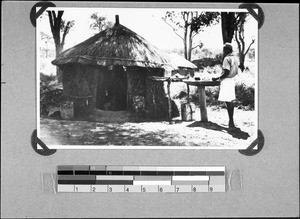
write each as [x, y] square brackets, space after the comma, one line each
[112, 89]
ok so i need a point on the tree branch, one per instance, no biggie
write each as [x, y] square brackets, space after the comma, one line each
[243, 31]
[67, 28]
[59, 15]
[196, 33]
[195, 14]
[236, 18]
[51, 22]
[54, 18]
[196, 47]
[56, 25]
[238, 42]
[241, 40]
[249, 47]
[175, 30]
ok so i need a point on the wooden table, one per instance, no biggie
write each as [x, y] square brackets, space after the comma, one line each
[201, 92]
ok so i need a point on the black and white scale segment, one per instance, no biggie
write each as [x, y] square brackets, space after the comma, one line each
[112, 179]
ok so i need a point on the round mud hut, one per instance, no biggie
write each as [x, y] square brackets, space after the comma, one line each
[112, 71]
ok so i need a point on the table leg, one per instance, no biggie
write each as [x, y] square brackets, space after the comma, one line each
[202, 102]
[169, 102]
[188, 93]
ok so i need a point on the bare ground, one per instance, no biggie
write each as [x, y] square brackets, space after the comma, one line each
[215, 133]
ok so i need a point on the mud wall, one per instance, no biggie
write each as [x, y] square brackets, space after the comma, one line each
[80, 84]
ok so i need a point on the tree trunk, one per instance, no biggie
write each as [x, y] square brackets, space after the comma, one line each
[58, 50]
[190, 46]
[55, 24]
[242, 61]
[185, 43]
[227, 22]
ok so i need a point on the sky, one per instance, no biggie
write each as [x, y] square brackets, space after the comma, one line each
[146, 22]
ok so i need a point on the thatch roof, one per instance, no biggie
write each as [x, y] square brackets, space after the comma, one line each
[180, 61]
[117, 45]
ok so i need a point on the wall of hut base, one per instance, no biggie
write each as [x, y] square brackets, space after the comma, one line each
[112, 89]
[81, 83]
[136, 79]
[156, 100]
[153, 93]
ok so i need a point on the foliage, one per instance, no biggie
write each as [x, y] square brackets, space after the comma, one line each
[208, 58]
[51, 95]
[187, 24]
[205, 62]
[212, 94]
[99, 22]
[66, 26]
[45, 37]
[245, 95]
[178, 51]
[206, 53]
[47, 82]
[251, 54]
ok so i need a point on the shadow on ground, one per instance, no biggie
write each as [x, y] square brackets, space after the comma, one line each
[117, 135]
[91, 133]
[235, 132]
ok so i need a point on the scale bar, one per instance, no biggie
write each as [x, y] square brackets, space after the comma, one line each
[136, 179]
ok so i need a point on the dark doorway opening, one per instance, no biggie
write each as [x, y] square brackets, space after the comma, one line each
[112, 89]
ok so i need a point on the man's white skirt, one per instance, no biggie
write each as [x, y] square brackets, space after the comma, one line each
[227, 90]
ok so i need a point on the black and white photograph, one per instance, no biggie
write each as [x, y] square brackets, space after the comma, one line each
[147, 78]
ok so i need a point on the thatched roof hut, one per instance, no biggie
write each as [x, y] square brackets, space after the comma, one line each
[111, 70]
[115, 46]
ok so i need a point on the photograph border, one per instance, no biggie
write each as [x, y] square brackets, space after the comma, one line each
[113, 147]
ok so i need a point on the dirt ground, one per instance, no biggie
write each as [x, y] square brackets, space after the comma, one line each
[215, 133]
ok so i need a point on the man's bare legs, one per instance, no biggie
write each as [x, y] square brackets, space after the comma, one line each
[230, 110]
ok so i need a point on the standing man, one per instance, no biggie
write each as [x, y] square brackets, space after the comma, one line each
[227, 85]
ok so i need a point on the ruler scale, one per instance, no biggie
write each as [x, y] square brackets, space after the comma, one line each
[140, 179]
